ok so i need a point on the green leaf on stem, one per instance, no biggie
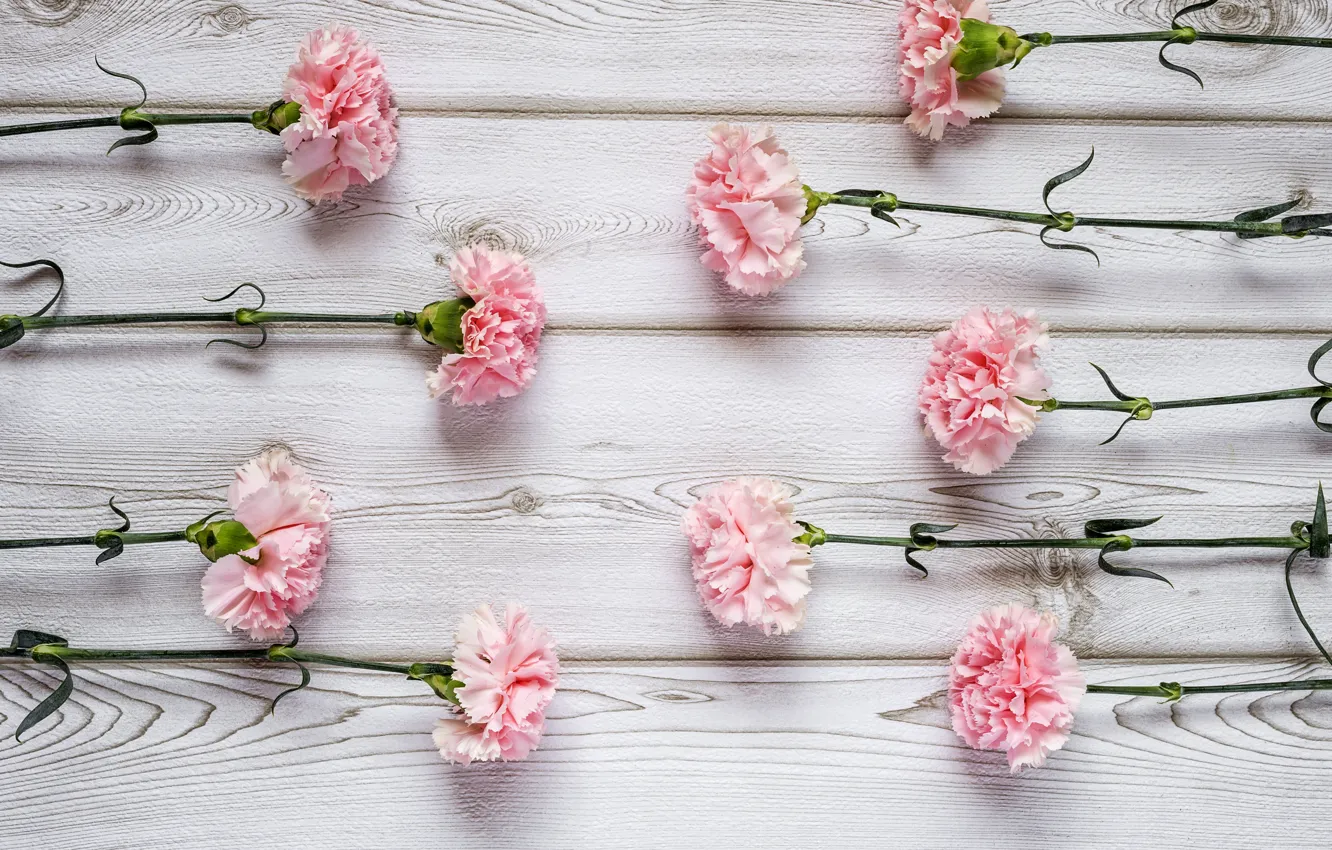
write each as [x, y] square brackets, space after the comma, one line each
[1187, 35]
[1060, 179]
[1299, 613]
[1263, 214]
[1318, 355]
[1066, 246]
[60, 288]
[923, 540]
[1173, 691]
[1114, 390]
[305, 682]
[25, 639]
[1299, 225]
[1320, 545]
[110, 540]
[1123, 544]
[880, 211]
[52, 703]
[1317, 409]
[1110, 527]
[912, 562]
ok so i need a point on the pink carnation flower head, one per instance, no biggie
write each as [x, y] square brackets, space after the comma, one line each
[1012, 688]
[979, 371]
[348, 131]
[747, 564]
[930, 31]
[500, 334]
[274, 498]
[747, 200]
[510, 673]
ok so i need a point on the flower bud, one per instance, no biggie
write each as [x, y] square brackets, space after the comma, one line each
[441, 323]
[11, 330]
[986, 46]
[221, 538]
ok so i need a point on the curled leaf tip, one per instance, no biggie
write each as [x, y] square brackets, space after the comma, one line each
[263, 298]
[13, 328]
[52, 703]
[304, 683]
[1299, 613]
[1065, 246]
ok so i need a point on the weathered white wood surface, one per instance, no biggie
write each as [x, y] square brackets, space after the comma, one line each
[567, 129]
[824, 57]
[649, 756]
[598, 206]
[570, 496]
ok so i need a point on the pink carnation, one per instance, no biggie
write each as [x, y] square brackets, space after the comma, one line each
[510, 673]
[747, 564]
[276, 501]
[1012, 688]
[747, 200]
[979, 370]
[930, 31]
[500, 334]
[348, 132]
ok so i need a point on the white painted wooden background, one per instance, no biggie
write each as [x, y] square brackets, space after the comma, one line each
[567, 129]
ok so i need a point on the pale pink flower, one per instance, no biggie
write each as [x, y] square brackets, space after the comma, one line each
[929, 32]
[747, 564]
[1012, 688]
[501, 333]
[980, 369]
[510, 673]
[274, 498]
[747, 200]
[348, 132]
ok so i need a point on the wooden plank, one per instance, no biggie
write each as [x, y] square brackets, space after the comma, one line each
[598, 206]
[720, 56]
[569, 497]
[773, 756]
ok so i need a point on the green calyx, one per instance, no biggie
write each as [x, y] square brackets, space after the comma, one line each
[441, 323]
[280, 115]
[440, 679]
[986, 46]
[813, 536]
[813, 200]
[220, 538]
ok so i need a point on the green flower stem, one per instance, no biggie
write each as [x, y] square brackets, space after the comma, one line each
[125, 537]
[279, 653]
[1172, 691]
[1133, 404]
[1287, 542]
[1184, 34]
[1063, 222]
[239, 317]
[120, 120]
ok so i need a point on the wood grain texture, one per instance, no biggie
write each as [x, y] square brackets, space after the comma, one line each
[655, 756]
[825, 57]
[598, 207]
[569, 497]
